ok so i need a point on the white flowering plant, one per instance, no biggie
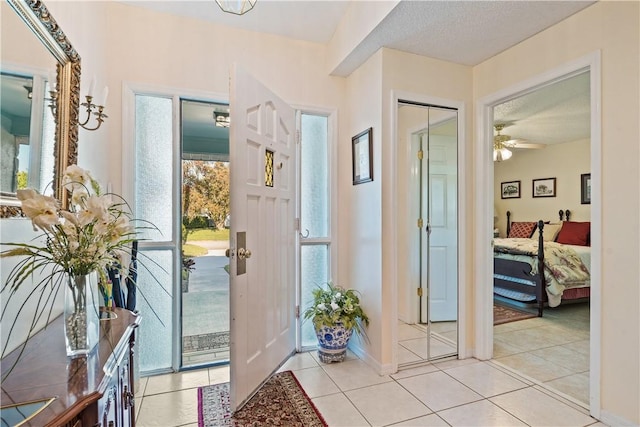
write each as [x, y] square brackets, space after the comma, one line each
[333, 304]
[94, 232]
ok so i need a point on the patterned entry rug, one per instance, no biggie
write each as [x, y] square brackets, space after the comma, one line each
[503, 314]
[280, 401]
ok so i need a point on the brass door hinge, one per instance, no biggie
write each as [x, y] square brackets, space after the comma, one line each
[420, 154]
[419, 292]
[420, 223]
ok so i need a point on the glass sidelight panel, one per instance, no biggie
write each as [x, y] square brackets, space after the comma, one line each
[428, 293]
[153, 187]
[314, 259]
[315, 235]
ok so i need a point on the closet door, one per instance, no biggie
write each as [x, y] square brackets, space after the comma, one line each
[428, 299]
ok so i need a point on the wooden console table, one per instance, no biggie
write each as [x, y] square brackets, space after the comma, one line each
[92, 391]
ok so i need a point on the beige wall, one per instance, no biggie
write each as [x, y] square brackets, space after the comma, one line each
[565, 162]
[438, 80]
[360, 205]
[614, 29]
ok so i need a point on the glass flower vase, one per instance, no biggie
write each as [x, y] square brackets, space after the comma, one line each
[81, 314]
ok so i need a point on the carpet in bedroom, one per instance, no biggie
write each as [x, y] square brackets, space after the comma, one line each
[503, 314]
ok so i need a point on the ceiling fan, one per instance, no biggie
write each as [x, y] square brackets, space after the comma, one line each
[502, 143]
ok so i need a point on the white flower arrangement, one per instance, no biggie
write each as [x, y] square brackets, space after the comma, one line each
[96, 231]
[333, 304]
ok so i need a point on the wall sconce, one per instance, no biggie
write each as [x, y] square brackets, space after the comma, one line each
[91, 107]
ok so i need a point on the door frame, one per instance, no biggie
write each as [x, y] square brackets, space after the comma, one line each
[484, 211]
[129, 91]
[396, 96]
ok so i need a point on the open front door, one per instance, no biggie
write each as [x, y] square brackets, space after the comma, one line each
[262, 236]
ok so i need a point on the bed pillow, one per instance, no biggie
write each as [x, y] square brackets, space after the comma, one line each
[574, 233]
[522, 229]
[550, 232]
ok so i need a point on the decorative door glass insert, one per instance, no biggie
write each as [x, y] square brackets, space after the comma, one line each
[268, 168]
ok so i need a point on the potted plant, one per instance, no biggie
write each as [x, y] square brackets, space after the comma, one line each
[336, 313]
[188, 265]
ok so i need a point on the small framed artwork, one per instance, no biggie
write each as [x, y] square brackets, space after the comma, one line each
[544, 187]
[585, 188]
[510, 190]
[362, 146]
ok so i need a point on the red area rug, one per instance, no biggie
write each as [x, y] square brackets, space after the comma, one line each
[280, 401]
[503, 314]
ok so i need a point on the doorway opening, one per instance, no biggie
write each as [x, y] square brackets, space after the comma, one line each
[549, 132]
[206, 220]
[484, 178]
[428, 276]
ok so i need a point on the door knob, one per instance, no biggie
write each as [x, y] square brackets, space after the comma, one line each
[244, 253]
[227, 253]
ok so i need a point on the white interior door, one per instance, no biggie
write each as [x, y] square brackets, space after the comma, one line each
[443, 239]
[262, 235]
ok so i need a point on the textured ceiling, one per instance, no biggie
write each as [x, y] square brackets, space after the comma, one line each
[557, 113]
[463, 32]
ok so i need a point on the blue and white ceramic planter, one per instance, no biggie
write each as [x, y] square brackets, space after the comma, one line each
[332, 343]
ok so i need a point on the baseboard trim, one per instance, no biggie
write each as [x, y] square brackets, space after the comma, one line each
[610, 419]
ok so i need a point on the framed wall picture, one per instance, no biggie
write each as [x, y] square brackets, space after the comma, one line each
[585, 188]
[510, 190]
[362, 147]
[544, 187]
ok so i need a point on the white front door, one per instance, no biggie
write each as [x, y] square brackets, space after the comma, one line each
[262, 234]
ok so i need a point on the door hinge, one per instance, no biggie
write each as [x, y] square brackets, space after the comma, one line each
[297, 311]
[298, 136]
[420, 154]
[419, 292]
[420, 223]
[297, 224]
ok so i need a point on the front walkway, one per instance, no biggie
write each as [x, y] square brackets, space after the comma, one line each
[205, 307]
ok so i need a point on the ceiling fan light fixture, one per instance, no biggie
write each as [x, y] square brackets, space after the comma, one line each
[501, 154]
[237, 7]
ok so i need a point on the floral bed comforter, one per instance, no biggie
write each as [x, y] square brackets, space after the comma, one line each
[563, 267]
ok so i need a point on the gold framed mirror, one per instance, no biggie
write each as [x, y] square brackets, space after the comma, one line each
[66, 63]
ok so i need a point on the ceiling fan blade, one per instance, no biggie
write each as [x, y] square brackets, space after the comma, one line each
[517, 144]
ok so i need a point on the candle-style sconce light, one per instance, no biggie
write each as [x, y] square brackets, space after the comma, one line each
[96, 109]
[53, 94]
[90, 108]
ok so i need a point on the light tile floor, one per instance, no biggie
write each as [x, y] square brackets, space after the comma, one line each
[552, 350]
[448, 393]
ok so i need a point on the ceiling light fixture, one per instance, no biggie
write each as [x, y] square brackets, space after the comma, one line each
[500, 152]
[29, 90]
[237, 7]
[221, 119]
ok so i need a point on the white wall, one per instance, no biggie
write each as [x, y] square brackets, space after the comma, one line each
[565, 162]
[614, 29]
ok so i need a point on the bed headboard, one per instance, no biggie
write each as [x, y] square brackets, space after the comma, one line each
[561, 215]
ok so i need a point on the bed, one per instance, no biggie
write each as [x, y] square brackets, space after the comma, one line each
[561, 251]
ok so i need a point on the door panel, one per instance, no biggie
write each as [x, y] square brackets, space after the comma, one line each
[443, 239]
[262, 205]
